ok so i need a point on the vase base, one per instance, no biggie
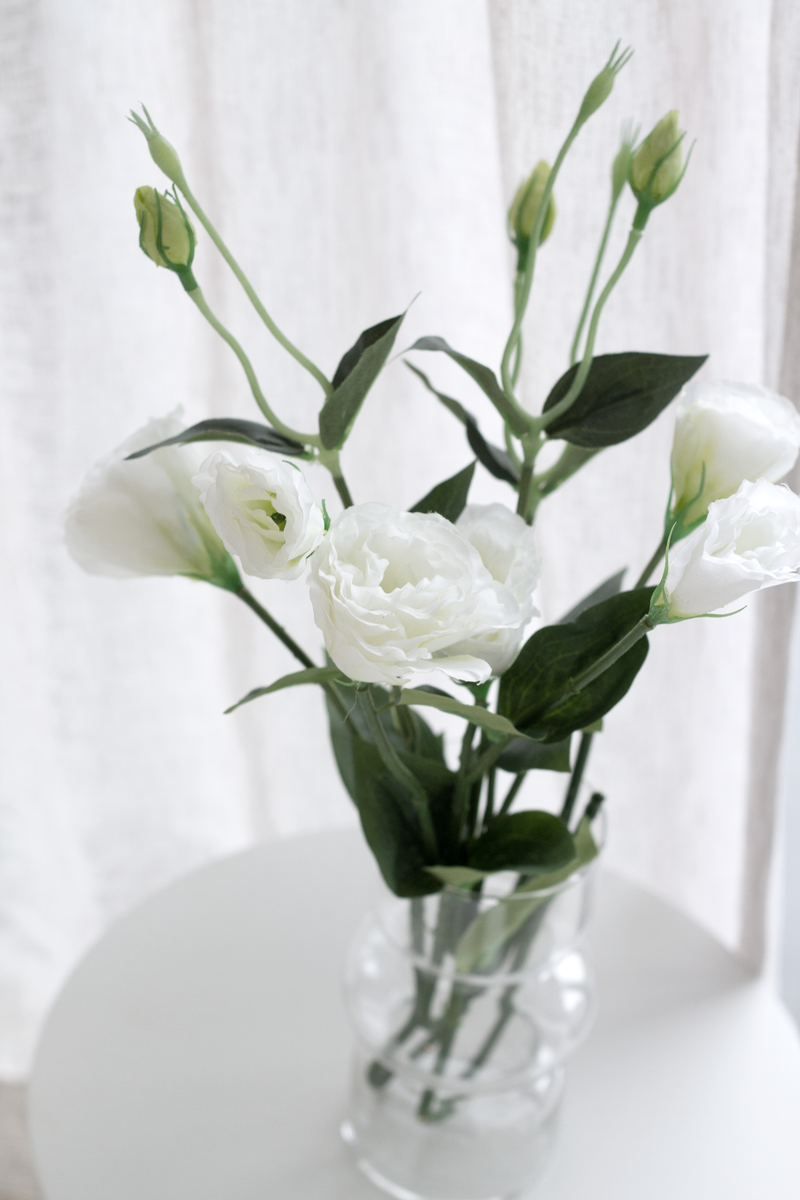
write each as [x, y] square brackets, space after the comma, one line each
[348, 1135]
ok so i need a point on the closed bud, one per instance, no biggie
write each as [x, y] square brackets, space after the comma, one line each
[162, 153]
[597, 93]
[621, 167]
[525, 206]
[602, 85]
[658, 166]
[165, 232]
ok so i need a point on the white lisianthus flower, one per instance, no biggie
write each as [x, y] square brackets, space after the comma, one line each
[263, 509]
[508, 551]
[145, 517]
[749, 541]
[398, 595]
[739, 431]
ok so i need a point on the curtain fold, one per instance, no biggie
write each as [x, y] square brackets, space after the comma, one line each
[356, 155]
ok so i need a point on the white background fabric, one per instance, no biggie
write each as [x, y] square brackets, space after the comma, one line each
[355, 153]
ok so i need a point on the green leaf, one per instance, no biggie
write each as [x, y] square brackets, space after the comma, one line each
[470, 712]
[230, 429]
[390, 835]
[464, 877]
[483, 376]
[623, 393]
[355, 375]
[529, 842]
[485, 938]
[533, 688]
[390, 827]
[454, 406]
[525, 755]
[448, 498]
[496, 461]
[586, 850]
[311, 675]
[610, 587]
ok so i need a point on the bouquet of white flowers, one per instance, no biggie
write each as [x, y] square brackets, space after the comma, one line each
[449, 586]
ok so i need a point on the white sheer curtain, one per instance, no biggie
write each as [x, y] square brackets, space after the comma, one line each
[355, 153]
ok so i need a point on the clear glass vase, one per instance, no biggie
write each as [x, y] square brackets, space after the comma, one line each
[465, 1006]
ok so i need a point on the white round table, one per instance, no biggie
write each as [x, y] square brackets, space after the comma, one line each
[200, 1051]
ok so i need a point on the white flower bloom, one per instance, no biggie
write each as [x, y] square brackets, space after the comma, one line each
[145, 517]
[263, 510]
[740, 431]
[399, 594]
[508, 551]
[750, 540]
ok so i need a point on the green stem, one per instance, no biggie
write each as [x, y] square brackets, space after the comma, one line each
[461, 795]
[511, 794]
[330, 460]
[290, 644]
[658, 554]
[576, 387]
[277, 629]
[491, 783]
[486, 761]
[343, 490]
[576, 777]
[584, 678]
[321, 379]
[593, 281]
[200, 301]
[511, 448]
[571, 460]
[523, 288]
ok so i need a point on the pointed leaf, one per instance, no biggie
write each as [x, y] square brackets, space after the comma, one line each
[623, 393]
[529, 842]
[484, 377]
[496, 461]
[586, 850]
[311, 675]
[458, 876]
[525, 755]
[391, 836]
[448, 498]
[454, 406]
[230, 429]
[610, 587]
[355, 375]
[470, 712]
[533, 688]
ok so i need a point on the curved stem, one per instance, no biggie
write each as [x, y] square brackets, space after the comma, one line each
[277, 629]
[593, 281]
[321, 379]
[583, 370]
[523, 288]
[199, 299]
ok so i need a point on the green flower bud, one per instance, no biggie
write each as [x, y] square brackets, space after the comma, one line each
[525, 206]
[166, 234]
[658, 166]
[602, 85]
[621, 167]
[162, 153]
